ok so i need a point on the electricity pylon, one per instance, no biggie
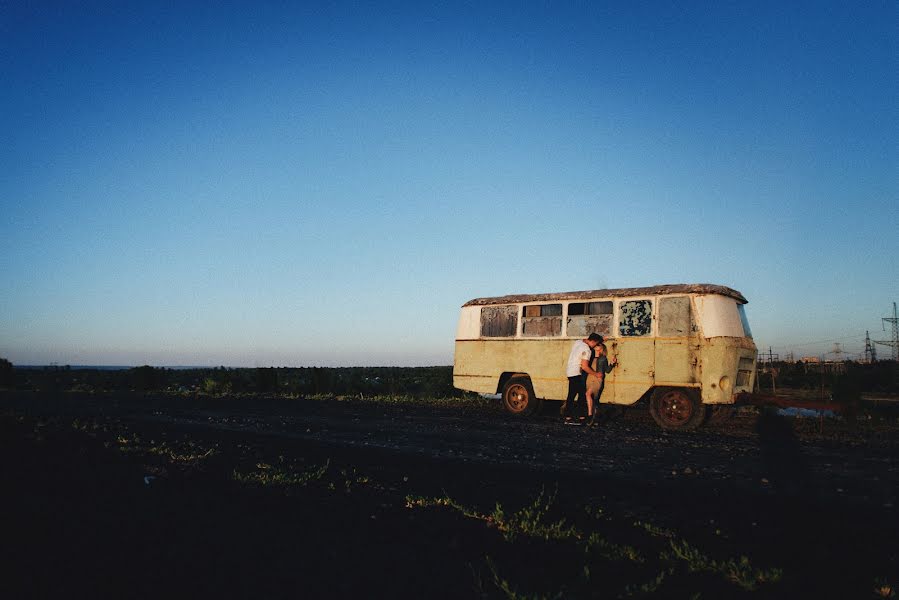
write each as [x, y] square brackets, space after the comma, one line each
[895, 341]
[870, 350]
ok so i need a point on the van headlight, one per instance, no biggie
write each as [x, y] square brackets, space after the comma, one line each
[724, 383]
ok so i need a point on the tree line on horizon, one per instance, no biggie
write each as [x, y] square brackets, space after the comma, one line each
[300, 381]
[855, 378]
[851, 378]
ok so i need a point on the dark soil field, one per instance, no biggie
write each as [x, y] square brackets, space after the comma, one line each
[157, 496]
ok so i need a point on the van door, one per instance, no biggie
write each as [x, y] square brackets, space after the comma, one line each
[674, 363]
[634, 351]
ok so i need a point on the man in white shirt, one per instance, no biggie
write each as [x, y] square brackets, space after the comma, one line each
[579, 366]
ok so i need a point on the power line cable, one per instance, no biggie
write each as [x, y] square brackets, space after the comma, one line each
[827, 341]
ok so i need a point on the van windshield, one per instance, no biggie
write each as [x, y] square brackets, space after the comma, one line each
[746, 331]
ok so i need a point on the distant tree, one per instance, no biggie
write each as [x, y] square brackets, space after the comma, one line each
[145, 378]
[266, 380]
[6, 373]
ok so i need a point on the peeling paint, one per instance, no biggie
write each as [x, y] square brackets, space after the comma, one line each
[635, 318]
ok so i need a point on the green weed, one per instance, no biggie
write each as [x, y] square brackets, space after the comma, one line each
[189, 453]
[511, 593]
[352, 478]
[648, 587]
[739, 571]
[598, 544]
[529, 521]
[268, 475]
[654, 530]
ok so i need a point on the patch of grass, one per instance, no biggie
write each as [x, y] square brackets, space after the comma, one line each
[351, 478]
[648, 587]
[598, 544]
[465, 401]
[187, 453]
[528, 521]
[531, 521]
[269, 475]
[510, 592]
[739, 571]
[654, 530]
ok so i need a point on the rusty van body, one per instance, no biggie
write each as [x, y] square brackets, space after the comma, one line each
[686, 348]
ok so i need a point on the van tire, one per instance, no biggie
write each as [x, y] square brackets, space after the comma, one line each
[676, 409]
[518, 396]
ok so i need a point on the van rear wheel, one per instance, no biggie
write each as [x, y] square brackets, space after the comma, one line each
[676, 409]
[518, 396]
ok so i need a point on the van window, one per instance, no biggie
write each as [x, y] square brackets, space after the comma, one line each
[634, 318]
[675, 318]
[585, 318]
[499, 321]
[542, 320]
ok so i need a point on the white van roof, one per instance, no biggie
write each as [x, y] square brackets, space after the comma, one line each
[656, 290]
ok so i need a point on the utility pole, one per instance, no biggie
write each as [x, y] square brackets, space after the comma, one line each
[895, 341]
[769, 357]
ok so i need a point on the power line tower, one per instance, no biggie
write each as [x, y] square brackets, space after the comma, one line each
[837, 352]
[870, 350]
[895, 341]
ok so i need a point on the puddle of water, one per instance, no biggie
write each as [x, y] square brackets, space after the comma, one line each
[805, 412]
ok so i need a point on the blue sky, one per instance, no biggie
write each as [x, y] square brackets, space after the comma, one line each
[266, 184]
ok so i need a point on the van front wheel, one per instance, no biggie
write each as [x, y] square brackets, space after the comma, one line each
[518, 396]
[676, 409]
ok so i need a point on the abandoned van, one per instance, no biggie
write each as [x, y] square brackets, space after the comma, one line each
[685, 348]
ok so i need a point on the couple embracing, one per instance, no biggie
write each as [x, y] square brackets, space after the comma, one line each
[584, 381]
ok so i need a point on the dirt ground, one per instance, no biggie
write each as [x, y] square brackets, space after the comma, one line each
[162, 495]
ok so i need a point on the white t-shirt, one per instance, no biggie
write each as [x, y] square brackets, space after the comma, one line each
[580, 351]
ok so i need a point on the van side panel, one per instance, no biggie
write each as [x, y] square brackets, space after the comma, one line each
[479, 364]
[722, 357]
[677, 362]
[633, 376]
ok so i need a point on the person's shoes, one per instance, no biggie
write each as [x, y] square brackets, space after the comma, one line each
[570, 421]
[593, 421]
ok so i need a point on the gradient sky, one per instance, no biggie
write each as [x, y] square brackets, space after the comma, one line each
[265, 184]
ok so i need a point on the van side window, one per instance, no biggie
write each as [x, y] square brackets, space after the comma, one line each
[585, 318]
[635, 318]
[499, 321]
[674, 317]
[542, 320]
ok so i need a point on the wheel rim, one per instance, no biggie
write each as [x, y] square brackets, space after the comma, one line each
[517, 398]
[675, 408]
